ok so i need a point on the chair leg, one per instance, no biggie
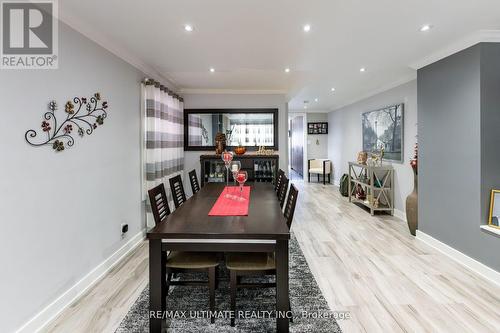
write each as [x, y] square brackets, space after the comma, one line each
[211, 287]
[324, 178]
[329, 179]
[318, 177]
[308, 177]
[232, 282]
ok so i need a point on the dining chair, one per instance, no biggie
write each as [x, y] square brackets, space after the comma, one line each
[279, 178]
[282, 190]
[255, 263]
[177, 189]
[193, 179]
[178, 261]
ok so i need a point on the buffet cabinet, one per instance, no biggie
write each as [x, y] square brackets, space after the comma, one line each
[260, 168]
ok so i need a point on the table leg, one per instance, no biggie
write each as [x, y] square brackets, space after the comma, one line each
[156, 295]
[282, 297]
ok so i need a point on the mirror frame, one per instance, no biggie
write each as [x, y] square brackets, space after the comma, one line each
[187, 112]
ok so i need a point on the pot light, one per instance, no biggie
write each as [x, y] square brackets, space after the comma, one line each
[425, 28]
[305, 106]
[316, 99]
[362, 69]
[332, 89]
[212, 70]
[307, 28]
[188, 27]
[287, 70]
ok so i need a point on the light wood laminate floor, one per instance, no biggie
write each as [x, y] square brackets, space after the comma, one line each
[369, 266]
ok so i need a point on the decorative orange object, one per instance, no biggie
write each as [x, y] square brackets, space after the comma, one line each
[240, 150]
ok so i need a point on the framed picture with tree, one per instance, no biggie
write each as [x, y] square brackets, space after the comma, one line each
[383, 129]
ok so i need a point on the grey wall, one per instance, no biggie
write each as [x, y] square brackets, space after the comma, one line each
[317, 144]
[60, 213]
[227, 101]
[458, 107]
[345, 135]
[490, 124]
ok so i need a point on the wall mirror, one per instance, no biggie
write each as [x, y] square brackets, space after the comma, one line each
[495, 209]
[250, 128]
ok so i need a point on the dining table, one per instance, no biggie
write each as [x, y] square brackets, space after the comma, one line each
[190, 228]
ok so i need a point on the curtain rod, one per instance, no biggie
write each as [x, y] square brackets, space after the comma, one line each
[162, 87]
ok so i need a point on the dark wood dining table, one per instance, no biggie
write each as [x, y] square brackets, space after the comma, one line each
[189, 228]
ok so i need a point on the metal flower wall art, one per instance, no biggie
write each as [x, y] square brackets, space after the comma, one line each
[82, 116]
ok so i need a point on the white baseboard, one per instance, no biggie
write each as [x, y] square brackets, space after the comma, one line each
[400, 214]
[51, 311]
[472, 264]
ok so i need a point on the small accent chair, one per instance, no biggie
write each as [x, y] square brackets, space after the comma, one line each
[282, 190]
[319, 167]
[177, 189]
[279, 179]
[177, 261]
[195, 186]
[240, 264]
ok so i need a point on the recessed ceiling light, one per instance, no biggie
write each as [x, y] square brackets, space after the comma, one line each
[307, 28]
[333, 89]
[316, 99]
[362, 69]
[305, 106]
[188, 27]
[425, 27]
[287, 70]
[212, 70]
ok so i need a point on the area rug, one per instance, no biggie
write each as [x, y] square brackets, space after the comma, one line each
[310, 309]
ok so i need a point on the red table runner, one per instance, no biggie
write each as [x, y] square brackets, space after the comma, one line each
[231, 206]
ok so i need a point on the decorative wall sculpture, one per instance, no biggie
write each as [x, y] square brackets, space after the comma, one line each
[83, 116]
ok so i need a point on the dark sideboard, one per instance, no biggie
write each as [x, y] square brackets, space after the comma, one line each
[260, 168]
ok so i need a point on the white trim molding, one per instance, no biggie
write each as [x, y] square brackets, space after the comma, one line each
[481, 36]
[101, 40]
[400, 214]
[51, 311]
[189, 91]
[463, 259]
[408, 78]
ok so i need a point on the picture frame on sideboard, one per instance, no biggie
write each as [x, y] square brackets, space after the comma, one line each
[494, 216]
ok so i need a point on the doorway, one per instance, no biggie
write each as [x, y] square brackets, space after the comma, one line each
[297, 143]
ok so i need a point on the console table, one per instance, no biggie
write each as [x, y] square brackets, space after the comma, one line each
[260, 168]
[377, 183]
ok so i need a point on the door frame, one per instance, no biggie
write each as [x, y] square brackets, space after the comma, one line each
[290, 116]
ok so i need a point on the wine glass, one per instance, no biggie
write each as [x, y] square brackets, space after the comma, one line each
[227, 157]
[235, 167]
[241, 177]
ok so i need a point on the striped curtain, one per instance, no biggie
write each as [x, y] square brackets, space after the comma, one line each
[195, 133]
[163, 154]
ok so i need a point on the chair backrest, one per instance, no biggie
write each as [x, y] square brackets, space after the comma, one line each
[279, 179]
[290, 205]
[320, 164]
[195, 187]
[283, 189]
[159, 203]
[177, 189]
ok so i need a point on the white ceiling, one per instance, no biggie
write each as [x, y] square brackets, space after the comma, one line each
[250, 43]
